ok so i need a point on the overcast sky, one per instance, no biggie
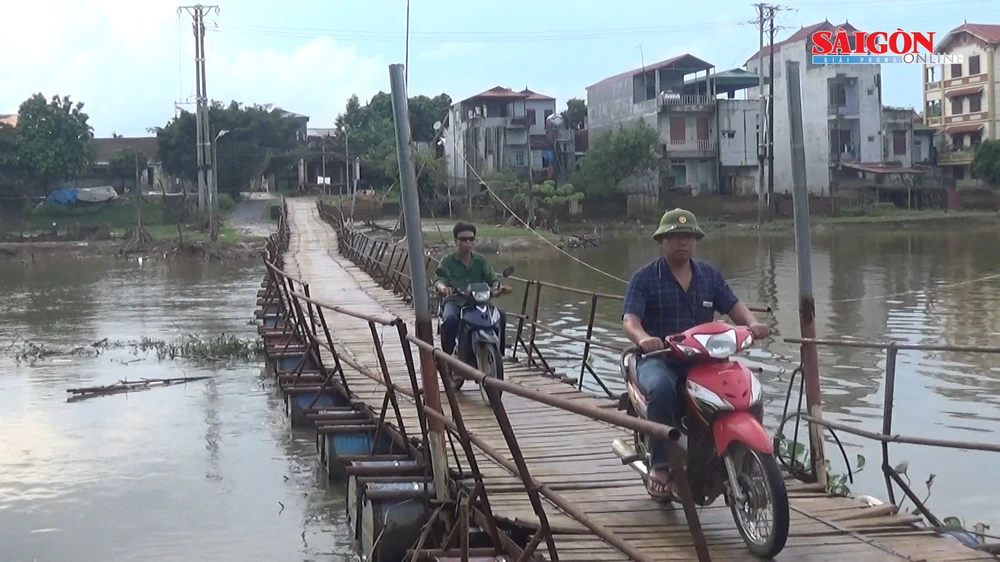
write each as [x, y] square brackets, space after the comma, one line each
[130, 61]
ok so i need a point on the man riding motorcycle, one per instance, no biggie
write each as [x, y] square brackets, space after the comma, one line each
[464, 267]
[669, 295]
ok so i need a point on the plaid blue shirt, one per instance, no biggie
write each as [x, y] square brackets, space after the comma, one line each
[654, 295]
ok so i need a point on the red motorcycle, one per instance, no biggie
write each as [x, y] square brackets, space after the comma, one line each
[728, 451]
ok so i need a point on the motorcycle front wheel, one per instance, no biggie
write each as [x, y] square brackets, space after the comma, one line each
[489, 361]
[763, 516]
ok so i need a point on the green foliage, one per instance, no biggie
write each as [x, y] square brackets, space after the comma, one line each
[126, 164]
[259, 140]
[54, 141]
[368, 132]
[575, 114]
[430, 170]
[226, 202]
[617, 155]
[986, 163]
[116, 214]
[12, 173]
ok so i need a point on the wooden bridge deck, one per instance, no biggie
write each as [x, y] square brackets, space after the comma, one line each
[572, 455]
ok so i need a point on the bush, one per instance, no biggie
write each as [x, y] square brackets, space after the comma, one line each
[226, 202]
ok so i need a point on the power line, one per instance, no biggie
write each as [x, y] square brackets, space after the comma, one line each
[469, 36]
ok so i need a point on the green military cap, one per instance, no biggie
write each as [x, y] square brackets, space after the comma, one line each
[679, 221]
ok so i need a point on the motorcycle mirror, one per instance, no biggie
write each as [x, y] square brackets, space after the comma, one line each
[508, 271]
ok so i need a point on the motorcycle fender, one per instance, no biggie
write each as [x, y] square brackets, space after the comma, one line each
[475, 319]
[742, 427]
[485, 336]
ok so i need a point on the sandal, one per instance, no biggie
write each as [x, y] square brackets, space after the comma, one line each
[660, 489]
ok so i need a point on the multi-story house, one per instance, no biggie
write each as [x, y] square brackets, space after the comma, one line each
[841, 110]
[656, 94]
[961, 96]
[708, 141]
[498, 130]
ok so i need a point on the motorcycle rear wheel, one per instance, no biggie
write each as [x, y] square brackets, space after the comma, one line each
[767, 487]
[489, 361]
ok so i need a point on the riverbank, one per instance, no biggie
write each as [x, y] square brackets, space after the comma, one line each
[110, 230]
[494, 238]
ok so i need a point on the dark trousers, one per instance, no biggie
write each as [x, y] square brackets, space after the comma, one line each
[660, 381]
[450, 319]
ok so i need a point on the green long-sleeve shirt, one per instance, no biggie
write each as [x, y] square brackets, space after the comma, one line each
[460, 277]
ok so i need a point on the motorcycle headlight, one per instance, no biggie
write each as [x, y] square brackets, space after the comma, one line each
[719, 346]
[481, 296]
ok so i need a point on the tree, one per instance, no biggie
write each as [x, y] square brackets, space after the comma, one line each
[986, 163]
[368, 132]
[616, 156]
[575, 114]
[11, 171]
[125, 164]
[54, 141]
[545, 198]
[259, 140]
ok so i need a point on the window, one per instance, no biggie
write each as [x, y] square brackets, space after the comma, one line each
[898, 143]
[976, 103]
[931, 74]
[956, 105]
[519, 158]
[838, 94]
[532, 117]
[678, 130]
[974, 65]
[956, 70]
[702, 128]
[934, 108]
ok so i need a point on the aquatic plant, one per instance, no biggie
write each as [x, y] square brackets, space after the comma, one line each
[216, 348]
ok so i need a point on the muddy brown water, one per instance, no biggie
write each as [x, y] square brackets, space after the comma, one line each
[193, 472]
[201, 471]
[937, 294]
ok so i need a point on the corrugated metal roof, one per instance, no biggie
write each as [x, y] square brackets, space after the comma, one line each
[698, 65]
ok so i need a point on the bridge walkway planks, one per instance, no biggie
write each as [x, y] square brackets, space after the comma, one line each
[571, 454]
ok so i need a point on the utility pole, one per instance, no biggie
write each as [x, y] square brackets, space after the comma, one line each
[325, 182]
[803, 254]
[418, 277]
[761, 112]
[202, 142]
[771, 203]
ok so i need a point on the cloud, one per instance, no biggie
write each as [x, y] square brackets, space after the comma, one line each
[129, 62]
[450, 49]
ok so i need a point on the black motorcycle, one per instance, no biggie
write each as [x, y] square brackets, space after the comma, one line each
[478, 343]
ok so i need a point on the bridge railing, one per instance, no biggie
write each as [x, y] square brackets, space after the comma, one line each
[304, 319]
[886, 436]
[388, 264]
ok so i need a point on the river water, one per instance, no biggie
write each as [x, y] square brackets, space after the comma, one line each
[211, 470]
[193, 472]
[926, 287]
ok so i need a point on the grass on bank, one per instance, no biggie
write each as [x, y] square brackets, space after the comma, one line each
[119, 216]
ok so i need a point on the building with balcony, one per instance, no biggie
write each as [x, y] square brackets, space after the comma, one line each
[841, 109]
[658, 95]
[961, 96]
[499, 130]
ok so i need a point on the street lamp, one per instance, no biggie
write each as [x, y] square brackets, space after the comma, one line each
[213, 193]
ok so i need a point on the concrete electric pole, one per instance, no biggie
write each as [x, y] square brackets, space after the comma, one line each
[203, 142]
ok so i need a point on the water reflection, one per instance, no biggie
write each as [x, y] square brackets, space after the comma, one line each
[199, 471]
[914, 287]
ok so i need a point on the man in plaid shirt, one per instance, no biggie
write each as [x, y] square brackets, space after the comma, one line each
[671, 294]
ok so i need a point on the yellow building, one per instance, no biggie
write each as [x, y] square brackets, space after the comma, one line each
[960, 98]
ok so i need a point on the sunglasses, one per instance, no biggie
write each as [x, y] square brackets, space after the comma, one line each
[466, 238]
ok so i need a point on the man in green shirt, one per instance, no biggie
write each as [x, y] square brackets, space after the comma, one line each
[464, 267]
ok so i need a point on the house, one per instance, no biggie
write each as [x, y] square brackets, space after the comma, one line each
[841, 109]
[707, 140]
[285, 180]
[906, 140]
[961, 96]
[502, 130]
[327, 158]
[656, 94]
[151, 177]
